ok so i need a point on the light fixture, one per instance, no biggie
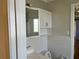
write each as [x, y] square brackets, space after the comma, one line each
[28, 3]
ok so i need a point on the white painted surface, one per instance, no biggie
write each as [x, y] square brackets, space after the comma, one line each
[59, 40]
[38, 43]
[45, 19]
[21, 29]
[72, 30]
[61, 17]
[11, 24]
[43, 31]
[59, 45]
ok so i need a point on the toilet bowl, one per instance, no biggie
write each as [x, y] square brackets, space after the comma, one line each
[37, 56]
[48, 55]
[31, 54]
[30, 50]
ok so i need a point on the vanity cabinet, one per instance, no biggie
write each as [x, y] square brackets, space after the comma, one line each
[45, 19]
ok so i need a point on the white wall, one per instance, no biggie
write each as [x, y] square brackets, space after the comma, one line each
[38, 43]
[60, 45]
[59, 41]
[61, 17]
[21, 29]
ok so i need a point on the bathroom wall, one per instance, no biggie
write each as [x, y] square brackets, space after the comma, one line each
[39, 43]
[59, 41]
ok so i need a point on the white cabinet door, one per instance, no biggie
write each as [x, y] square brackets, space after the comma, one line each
[45, 19]
[48, 21]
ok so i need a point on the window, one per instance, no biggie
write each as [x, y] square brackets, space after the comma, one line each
[36, 25]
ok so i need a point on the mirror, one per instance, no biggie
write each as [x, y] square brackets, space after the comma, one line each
[32, 22]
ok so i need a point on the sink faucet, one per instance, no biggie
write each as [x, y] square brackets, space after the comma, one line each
[28, 47]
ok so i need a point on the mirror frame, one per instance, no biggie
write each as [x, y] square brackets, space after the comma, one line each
[33, 8]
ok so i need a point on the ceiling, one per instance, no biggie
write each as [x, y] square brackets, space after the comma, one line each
[47, 1]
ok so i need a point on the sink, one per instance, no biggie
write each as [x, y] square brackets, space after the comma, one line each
[30, 50]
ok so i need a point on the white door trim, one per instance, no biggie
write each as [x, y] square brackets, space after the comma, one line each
[12, 30]
[20, 18]
[21, 28]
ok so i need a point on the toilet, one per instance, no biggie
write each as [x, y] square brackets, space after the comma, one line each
[31, 54]
[48, 55]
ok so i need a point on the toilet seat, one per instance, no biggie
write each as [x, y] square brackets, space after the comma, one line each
[48, 54]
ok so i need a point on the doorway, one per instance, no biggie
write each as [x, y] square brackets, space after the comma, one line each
[73, 28]
[76, 39]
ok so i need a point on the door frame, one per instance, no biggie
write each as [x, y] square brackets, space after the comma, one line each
[12, 30]
[72, 28]
[17, 29]
[12, 34]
